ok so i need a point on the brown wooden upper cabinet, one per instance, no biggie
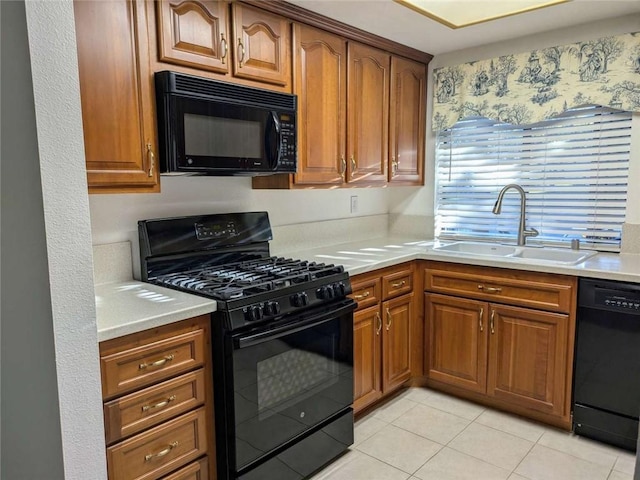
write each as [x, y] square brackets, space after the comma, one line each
[361, 115]
[116, 95]
[194, 34]
[368, 115]
[246, 42]
[320, 80]
[407, 121]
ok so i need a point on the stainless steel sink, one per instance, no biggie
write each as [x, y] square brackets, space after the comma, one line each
[555, 256]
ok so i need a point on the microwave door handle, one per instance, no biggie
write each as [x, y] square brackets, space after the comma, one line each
[274, 140]
[257, 338]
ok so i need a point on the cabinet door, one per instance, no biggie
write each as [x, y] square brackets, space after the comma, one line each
[320, 77]
[262, 43]
[407, 121]
[457, 341]
[194, 34]
[116, 95]
[368, 117]
[367, 326]
[396, 341]
[528, 357]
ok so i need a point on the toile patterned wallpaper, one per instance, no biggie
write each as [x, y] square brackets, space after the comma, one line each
[529, 87]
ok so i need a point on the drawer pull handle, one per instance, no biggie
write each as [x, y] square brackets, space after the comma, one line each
[364, 295]
[161, 453]
[489, 289]
[157, 363]
[379, 320]
[353, 166]
[493, 314]
[399, 284]
[481, 315]
[388, 320]
[164, 403]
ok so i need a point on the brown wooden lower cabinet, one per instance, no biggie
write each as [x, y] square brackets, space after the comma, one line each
[396, 342]
[198, 470]
[367, 328]
[511, 357]
[158, 410]
[528, 358]
[386, 328]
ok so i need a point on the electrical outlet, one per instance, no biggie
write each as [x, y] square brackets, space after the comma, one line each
[354, 204]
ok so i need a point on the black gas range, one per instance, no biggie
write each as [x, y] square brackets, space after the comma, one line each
[282, 341]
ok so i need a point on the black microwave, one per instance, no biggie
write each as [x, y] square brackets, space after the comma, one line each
[211, 127]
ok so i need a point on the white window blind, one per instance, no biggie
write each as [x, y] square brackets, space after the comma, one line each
[574, 169]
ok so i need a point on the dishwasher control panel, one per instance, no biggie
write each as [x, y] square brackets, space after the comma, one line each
[618, 301]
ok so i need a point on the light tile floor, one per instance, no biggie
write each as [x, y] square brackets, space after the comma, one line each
[422, 434]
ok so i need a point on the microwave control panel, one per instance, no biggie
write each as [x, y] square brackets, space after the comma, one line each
[288, 148]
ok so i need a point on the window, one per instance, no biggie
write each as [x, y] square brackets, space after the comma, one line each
[573, 168]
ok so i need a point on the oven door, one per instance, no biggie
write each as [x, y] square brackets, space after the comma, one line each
[289, 379]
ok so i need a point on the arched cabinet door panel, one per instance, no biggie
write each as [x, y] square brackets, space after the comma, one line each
[261, 46]
[194, 34]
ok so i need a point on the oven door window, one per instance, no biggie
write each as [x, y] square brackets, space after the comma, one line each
[285, 385]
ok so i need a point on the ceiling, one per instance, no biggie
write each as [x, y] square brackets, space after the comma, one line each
[391, 20]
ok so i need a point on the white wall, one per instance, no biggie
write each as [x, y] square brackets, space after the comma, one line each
[65, 205]
[114, 217]
[30, 408]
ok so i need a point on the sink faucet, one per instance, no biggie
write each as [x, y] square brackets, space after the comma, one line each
[523, 233]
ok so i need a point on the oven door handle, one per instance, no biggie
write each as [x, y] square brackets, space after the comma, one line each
[347, 306]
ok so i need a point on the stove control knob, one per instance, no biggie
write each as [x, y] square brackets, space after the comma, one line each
[300, 299]
[325, 293]
[253, 313]
[340, 289]
[271, 308]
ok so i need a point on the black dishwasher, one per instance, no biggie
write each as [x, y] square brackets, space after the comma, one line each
[607, 362]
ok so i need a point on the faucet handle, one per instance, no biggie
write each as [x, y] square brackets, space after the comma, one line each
[532, 232]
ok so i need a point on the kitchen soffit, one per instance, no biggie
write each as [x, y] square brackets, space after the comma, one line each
[391, 20]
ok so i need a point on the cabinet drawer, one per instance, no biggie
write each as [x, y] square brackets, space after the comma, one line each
[135, 412]
[397, 283]
[138, 367]
[160, 450]
[194, 471]
[366, 292]
[529, 289]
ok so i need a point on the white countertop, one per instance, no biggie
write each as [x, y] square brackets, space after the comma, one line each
[130, 306]
[365, 256]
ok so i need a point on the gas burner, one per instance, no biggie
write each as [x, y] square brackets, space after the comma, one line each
[247, 278]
